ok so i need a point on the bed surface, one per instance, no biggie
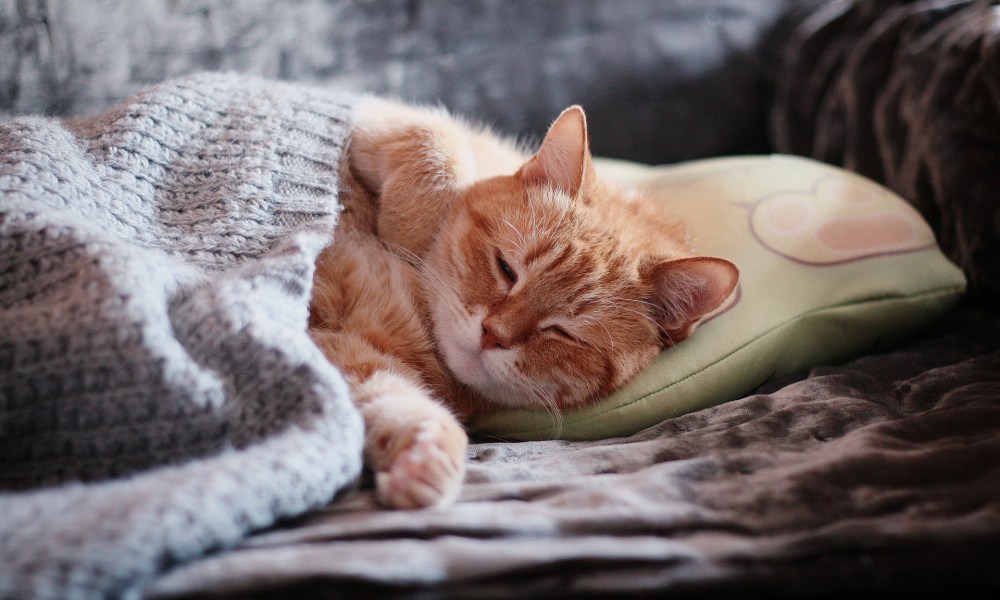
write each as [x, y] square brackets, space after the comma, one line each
[880, 474]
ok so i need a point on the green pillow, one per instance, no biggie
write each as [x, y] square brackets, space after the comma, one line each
[832, 266]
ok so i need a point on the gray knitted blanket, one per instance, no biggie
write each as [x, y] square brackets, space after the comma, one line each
[159, 394]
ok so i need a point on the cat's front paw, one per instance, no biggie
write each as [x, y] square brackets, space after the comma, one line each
[426, 472]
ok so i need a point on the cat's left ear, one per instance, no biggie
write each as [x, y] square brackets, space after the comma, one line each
[564, 157]
[687, 289]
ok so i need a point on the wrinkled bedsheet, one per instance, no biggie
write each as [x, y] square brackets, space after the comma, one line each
[879, 475]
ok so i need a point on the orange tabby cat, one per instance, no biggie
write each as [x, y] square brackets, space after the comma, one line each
[466, 274]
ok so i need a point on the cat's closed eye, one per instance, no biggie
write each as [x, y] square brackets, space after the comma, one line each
[506, 269]
[559, 331]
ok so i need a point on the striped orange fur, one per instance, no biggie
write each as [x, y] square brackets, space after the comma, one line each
[467, 274]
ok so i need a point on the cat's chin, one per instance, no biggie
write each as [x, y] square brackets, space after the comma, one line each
[474, 368]
[467, 365]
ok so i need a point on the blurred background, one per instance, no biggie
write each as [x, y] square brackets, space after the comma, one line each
[661, 80]
[906, 92]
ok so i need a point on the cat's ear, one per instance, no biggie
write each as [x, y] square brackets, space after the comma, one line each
[687, 289]
[564, 157]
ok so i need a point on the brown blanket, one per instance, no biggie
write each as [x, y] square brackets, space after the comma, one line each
[907, 93]
[879, 475]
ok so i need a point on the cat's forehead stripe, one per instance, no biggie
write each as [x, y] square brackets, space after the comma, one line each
[483, 222]
[544, 248]
[571, 270]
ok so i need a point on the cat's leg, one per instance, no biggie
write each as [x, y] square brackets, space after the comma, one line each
[411, 160]
[416, 161]
[414, 445]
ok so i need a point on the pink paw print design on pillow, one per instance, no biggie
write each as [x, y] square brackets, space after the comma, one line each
[838, 221]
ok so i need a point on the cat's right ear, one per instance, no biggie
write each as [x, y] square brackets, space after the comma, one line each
[563, 159]
[687, 289]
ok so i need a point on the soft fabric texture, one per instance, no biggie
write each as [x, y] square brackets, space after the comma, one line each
[159, 393]
[832, 266]
[904, 92]
[868, 479]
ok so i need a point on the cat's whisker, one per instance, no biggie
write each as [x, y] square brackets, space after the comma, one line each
[523, 243]
[536, 233]
[537, 395]
[616, 302]
[546, 402]
[612, 302]
[666, 334]
[637, 301]
[438, 280]
[423, 266]
[599, 322]
[562, 219]
[397, 250]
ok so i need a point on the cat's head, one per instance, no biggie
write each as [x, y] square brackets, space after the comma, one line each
[550, 287]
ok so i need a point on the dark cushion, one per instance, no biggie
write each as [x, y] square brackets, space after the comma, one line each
[907, 93]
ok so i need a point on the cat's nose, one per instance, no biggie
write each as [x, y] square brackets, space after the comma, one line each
[491, 337]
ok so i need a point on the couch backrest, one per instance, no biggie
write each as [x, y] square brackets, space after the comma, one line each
[662, 80]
